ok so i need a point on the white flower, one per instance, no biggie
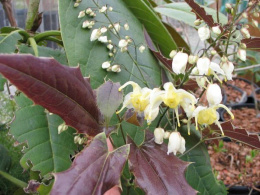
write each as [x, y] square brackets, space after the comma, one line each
[173, 53]
[116, 68]
[106, 64]
[216, 30]
[245, 33]
[122, 43]
[158, 135]
[81, 14]
[203, 65]
[179, 63]
[214, 95]
[176, 143]
[126, 26]
[141, 48]
[86, 24]
[103, 9]
[96, 33]
[110, 9]
[115, 27]
[204, 33]
[110, 46]
[228, 68]
[241, 54]
[103, 39]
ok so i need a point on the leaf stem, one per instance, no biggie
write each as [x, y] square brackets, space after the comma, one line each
[162, 116]
[32, 13]
[41, 36]
[121, 129]
[187, 151]
[34, 46]
[13, 179]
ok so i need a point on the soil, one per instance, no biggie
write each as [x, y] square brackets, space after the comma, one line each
[233, 96]
[247, 87]
[232, 167]
[245, 118]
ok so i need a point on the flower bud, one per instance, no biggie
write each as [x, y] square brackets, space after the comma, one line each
[62, 127]
[116, 28]
[245, 33]
[158, 135]
[176, 143]
[88, 10]
[96, 33]
[166, 135]
[76, 5]
[122, 43]
[106, 64]
[116, 68]
[103, 30]
[256, 14]
[228, 68]
[193, 59]
[214, 95]
[81, 14]
[224, 59]
[213, 52]
[141, 48]
[179, 63]
[245, 15]
[241, 54]
[229, 8]
[126, 26]
[81, 141]
[255, 23]
[110, 54]
[110, 46]
[76, 139]
[197, 22]
[173, 53]
[103, 39]
[110, 9]
[103, 9]
[204, 33]
[242, 46]
[216, 30]
[203, 65]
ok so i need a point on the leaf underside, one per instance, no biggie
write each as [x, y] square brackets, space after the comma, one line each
[156, 172]
[94, 170]
[60, 89]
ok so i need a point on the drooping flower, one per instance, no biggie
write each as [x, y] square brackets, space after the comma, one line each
[122, 43]
[204, 33]
[62, 127]
[241, 54]
[81, 14]
[228, 69]
[103, 9]
[179, 63]
[96, 33]
[141, 48]
[116, 68]
[176, 143]
[216, 30]
[103, 39]
[126, 26]
[245, 33]
[106, 65]
[138, 99]
[158, 135]
[209, 115]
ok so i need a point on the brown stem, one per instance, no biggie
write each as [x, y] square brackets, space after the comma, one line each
[7, 5]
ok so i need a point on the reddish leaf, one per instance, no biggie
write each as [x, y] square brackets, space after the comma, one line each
[201, 13]
[134, 118]
[157, 172]
[253, 43]
[94, 170]
[237, 134]
[60, 89]
[166, 61]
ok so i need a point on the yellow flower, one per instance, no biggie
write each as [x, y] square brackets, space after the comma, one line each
[138, 99]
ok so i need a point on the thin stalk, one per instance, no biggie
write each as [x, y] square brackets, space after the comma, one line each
[187, 151]
[32, 13]
[217, 10]
[121, 129]
[13, 179]
[162, 116]
[34, 46]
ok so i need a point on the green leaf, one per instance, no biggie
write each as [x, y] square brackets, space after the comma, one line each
[94, 171]
[2, 82]
[90, 55]
[175, 10]
[153, 25]
[8, 44]
[109, 99]
[48, 151]
[199, 174]
[57, 54]
[5, 159]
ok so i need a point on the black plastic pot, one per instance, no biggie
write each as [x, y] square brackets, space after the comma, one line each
[241, 190]
[257, 92]
[242, 100]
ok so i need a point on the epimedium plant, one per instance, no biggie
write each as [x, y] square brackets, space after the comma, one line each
[68, 114]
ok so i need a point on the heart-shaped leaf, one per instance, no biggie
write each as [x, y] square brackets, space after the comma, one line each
[109, 99]
[252, 44]
[60, 89]
[94, 170]
[157, 172]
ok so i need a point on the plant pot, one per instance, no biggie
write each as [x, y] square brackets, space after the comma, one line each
[241, 190]
[242, 111]
[257, 96]
[246, 86]
[234, 95]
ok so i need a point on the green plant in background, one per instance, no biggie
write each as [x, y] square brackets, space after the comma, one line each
[253, 154]
[219, 147]
[79, 138]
